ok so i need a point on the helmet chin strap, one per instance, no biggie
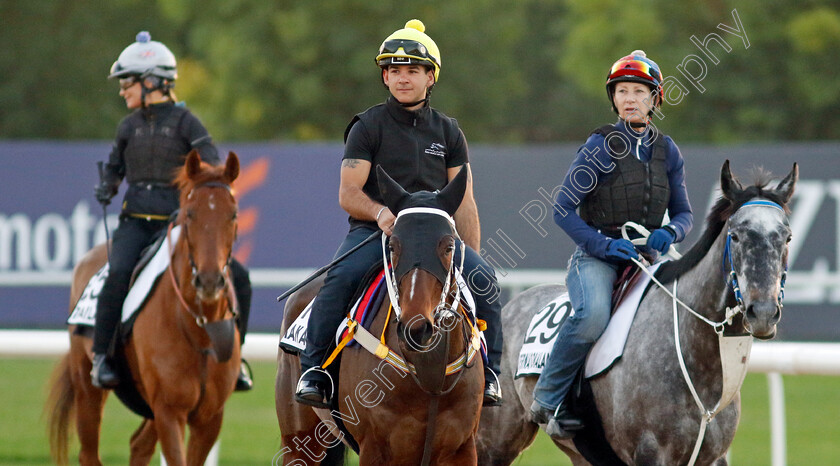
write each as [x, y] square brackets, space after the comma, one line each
[421, 101]
[412, 104]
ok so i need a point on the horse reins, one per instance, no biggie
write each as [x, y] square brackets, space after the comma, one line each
[442, 307]
[742, 344]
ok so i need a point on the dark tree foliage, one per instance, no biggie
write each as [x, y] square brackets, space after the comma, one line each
[513, 71]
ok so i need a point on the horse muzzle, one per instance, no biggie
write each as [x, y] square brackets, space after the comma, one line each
[209, 285]
[760, 319]
[418, 334]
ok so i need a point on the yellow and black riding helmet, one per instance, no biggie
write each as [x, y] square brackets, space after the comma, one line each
[410, 46]
[636, 67]
[147, 59]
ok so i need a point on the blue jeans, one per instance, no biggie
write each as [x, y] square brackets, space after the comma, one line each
[590, 282]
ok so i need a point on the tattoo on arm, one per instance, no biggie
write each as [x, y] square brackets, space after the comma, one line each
[350, 163]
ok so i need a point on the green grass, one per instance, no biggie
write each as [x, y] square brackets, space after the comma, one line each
[250, 435]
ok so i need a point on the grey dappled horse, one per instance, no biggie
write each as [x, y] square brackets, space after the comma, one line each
[649, 414]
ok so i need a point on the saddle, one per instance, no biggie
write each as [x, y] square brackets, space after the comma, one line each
[148, 253]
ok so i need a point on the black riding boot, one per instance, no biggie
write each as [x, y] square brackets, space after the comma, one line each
[108, 313]
[242, 287]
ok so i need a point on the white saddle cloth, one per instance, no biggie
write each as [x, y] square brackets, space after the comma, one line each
[545, 326]
[84, 313]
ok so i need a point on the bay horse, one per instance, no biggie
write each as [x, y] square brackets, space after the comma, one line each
[183, 352]
[649, 414]
[425, 414]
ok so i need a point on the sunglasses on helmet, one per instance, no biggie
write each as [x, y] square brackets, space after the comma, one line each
[409, 47]
[635, 67]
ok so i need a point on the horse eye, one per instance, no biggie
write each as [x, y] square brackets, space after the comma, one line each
[190, 214]
[234, 216]
[734, 237]
[788, 239]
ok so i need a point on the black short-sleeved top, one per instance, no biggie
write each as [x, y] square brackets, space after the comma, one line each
[414, 147]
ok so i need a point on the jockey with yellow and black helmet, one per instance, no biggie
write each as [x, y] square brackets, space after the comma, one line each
[410, 63]
[151, 144]
[626, 171]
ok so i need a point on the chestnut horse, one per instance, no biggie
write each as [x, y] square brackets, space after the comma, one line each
[183, 353]
[427, 414]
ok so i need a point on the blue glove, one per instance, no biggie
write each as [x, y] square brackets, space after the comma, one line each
[621, 249]
[661, 239]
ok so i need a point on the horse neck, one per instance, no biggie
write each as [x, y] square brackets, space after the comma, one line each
[704, 289]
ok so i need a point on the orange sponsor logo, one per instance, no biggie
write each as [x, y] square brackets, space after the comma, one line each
[251, 177]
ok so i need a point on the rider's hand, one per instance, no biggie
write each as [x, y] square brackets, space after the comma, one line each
[104, 192]
[386, 221]
[621, 249]
[661, 239]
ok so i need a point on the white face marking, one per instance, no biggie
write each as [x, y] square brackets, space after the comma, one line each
[211, 202]
[413, 283]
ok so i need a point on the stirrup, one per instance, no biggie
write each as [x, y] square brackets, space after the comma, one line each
[245, 378]
[496, 398]
[325, 372]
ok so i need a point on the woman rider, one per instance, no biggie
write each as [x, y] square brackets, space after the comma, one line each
[151, 144]
[626, 171]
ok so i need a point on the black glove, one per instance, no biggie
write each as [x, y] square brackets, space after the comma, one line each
[104, 192]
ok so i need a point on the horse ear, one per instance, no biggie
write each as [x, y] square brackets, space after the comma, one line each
[232, 167]
[728, 183]
[193, 163]
[786, 186]
[452, 194]
[392, 193]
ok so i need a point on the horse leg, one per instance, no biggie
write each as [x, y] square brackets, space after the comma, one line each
[202, 437]
[90, 402]
[297, 422]
[170, 424]
[143, 443]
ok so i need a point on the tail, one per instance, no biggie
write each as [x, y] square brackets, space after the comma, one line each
[60, 407]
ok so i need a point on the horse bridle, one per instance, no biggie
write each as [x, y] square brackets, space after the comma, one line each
[445, 310]
[451, 278]
[727, 257]
[200, 319]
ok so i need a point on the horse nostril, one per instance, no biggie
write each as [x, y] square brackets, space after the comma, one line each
[750, 312]
[420, 333]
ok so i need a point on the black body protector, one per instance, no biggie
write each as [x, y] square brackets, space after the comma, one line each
[150, 149]
[634, 191]
[155, 149]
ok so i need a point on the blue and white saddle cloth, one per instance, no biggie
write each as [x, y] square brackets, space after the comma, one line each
[545, 326]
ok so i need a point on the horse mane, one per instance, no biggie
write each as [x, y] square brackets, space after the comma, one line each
[719, 214]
